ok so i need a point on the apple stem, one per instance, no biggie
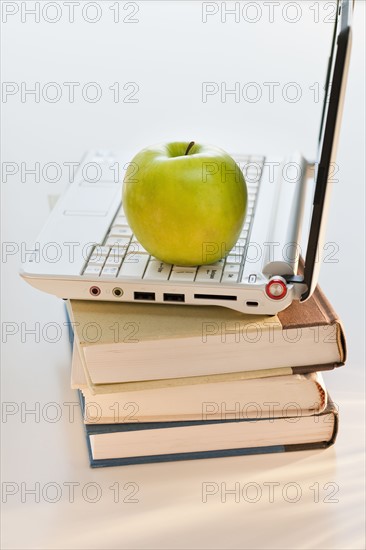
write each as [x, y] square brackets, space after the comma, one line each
[190, 145]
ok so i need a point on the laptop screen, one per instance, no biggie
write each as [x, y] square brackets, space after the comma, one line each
[341, 23]
[328, 140]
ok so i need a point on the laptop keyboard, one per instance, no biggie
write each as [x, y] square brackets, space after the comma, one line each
[121, 256]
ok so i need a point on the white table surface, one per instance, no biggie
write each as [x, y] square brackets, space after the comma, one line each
[169, 53]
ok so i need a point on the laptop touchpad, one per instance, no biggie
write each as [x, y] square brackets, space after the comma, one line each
[90, 201]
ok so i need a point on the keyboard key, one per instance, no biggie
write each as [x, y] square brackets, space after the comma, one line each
[97, 262]
[232, 268]
[134, 269]
[99, 252]
[137, 247]
[230, 278]
[157, 271]
[102, 153]
[209, 274]
[113, 260]
[231, 273]
[133, 253]
[113, 241]
[234, 258]
[241, 158]
[118, 225]
[120, 231]
[110, 272]
[254, 167]
[181, 273]
[251, 179]
[219, 263]
[116, 256]
[120, 220]
[237, 250]
[242, 242]
[121, 246]
[92, 270]
[252, 176]
[119, 250]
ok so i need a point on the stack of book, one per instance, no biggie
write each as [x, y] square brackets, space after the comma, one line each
[176, 382]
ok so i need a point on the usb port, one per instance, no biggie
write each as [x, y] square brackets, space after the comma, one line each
[168, 297]
[144, 296]
[252, 304]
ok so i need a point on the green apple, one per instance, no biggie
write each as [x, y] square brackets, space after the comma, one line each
[185, 202]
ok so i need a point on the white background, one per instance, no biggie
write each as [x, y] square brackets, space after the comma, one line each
[169, 53]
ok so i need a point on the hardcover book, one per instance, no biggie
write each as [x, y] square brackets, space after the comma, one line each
[129, 347]
[278, 396]
[138, 443]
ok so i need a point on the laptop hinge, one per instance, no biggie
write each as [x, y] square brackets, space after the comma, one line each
[294, 279]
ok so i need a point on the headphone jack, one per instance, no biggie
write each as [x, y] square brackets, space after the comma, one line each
[117, 292]
[95, 290]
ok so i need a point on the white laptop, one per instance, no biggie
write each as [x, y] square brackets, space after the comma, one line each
[87, 250]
